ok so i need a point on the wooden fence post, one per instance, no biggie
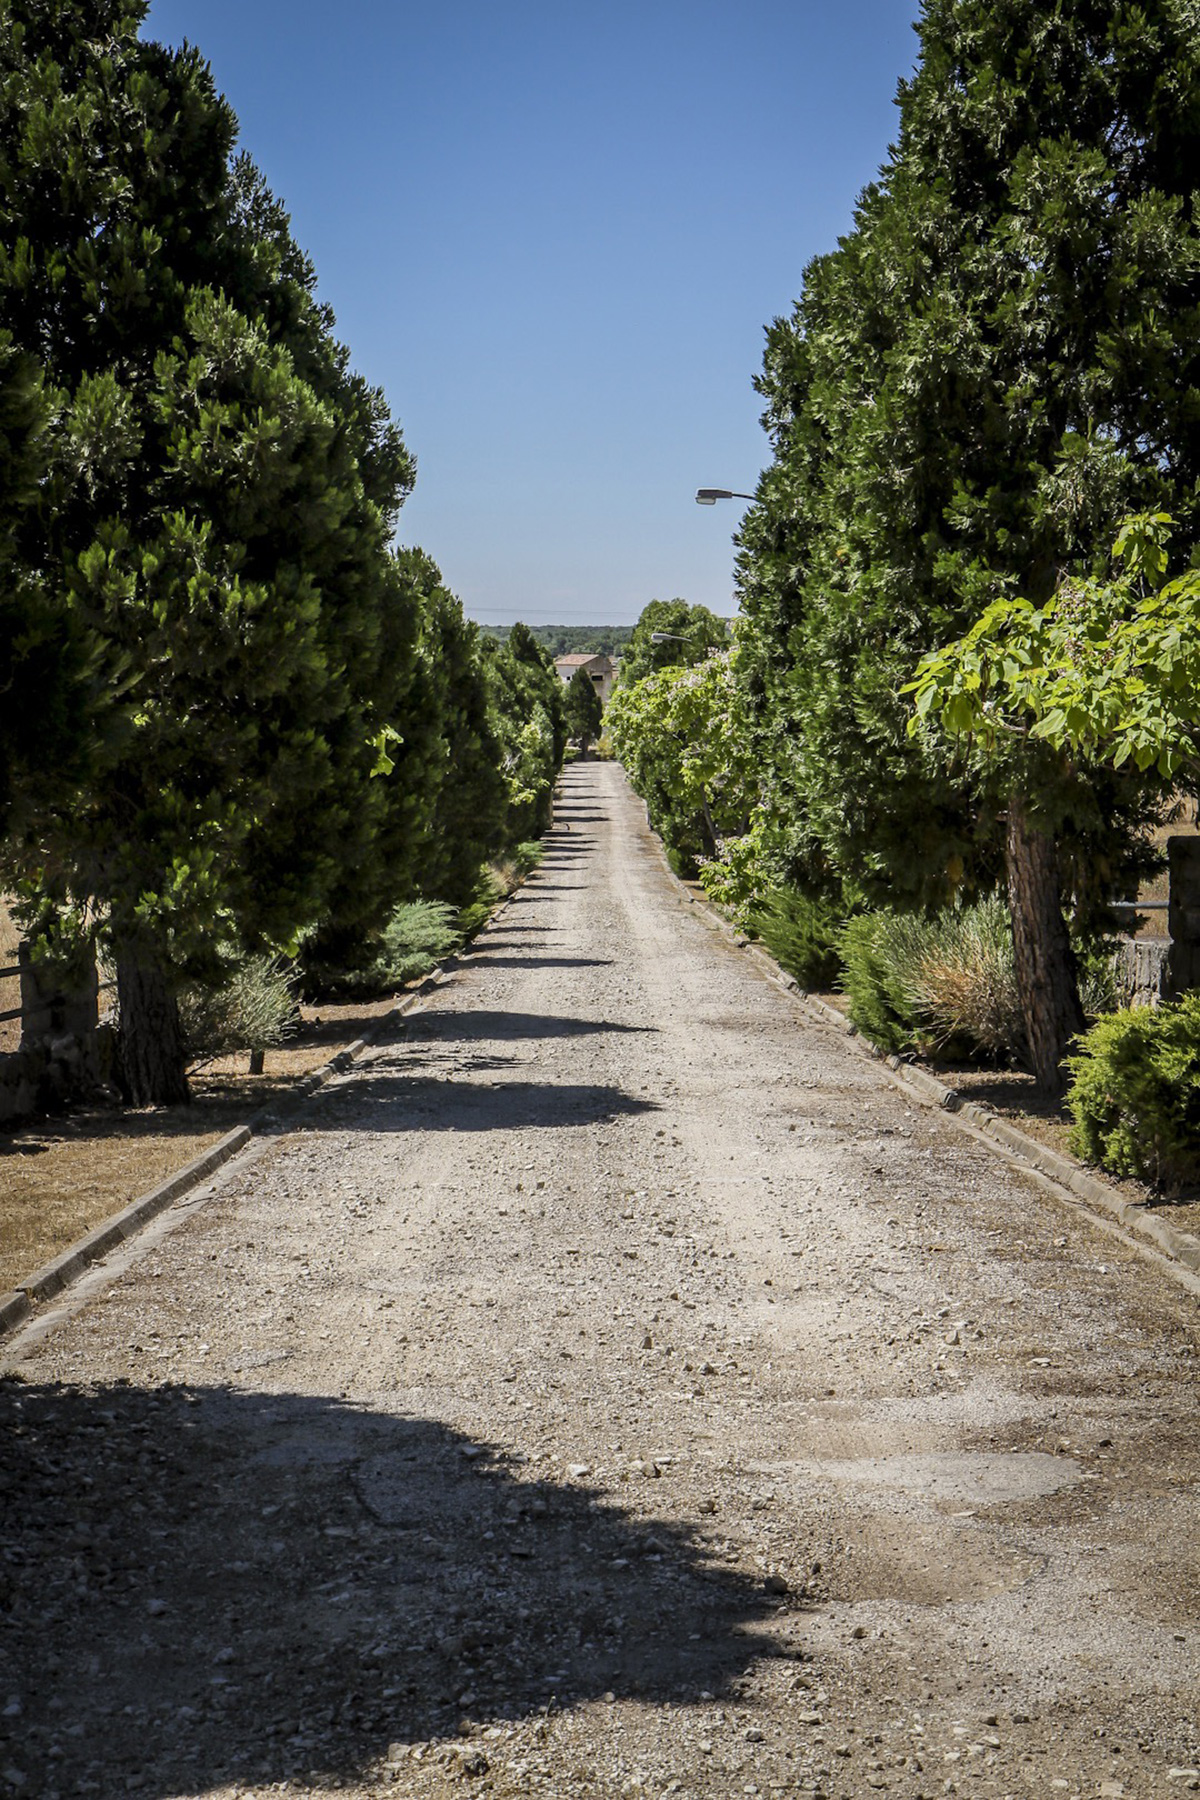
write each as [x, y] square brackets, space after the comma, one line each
[1183, 915]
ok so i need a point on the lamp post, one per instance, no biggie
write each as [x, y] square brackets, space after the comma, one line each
[710, 496]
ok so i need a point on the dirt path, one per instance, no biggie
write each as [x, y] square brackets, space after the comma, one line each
[615, 1387]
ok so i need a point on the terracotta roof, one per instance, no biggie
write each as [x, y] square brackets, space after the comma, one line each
[575, 657]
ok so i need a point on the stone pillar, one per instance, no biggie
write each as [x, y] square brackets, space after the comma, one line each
[1183, 914]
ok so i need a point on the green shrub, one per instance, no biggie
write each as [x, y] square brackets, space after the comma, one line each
[496, 881]
[941, 985]
[801, 934]
[415, 939]
[254, 1008]
[478, 910]
[526, 857]
[1135, 1093]
[878, 950]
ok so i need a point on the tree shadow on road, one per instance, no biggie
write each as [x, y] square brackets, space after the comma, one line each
[506, 925]
[224, 1585]
[542, 962]
[378, 1101]
[449, 1027]
[544, 887]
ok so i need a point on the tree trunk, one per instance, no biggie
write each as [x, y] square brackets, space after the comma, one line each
[710, 830]
[153, 1069]
[1045, 961]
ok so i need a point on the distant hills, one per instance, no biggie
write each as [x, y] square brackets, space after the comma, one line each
[573, 640]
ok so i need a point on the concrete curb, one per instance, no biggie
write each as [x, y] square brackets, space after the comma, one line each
[55, 1275]
[1012, 1143]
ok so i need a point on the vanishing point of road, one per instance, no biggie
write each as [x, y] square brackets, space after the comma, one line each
[614, 1385]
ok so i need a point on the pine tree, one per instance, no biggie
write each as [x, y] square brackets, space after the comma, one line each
[527, 712]
[44, 662]
[217, 511]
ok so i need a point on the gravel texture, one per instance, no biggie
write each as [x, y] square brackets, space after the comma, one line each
[613, 1386]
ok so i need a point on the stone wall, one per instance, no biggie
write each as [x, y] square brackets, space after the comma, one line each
[47, 1076]
[1142, 970]
[64, 1053]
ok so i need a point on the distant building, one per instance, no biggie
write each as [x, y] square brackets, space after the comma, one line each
[601, 669]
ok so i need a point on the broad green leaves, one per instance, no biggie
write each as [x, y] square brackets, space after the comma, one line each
[682, 737]
[1105, 669]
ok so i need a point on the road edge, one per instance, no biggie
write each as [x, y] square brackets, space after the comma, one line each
[1180, 1248]
[17, 1306]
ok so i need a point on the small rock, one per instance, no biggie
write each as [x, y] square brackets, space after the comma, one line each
[1190, 1777]
[475, 1764]
[809, 1718]
[577, 1470]
[1111, 1790]
[860, 1631]
[156, 1608]
[754, 1735]
[775, 1584]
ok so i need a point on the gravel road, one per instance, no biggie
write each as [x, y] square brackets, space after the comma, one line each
[614, 1386]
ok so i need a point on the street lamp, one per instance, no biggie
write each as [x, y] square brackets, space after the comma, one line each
[664, 637]
[710, 496]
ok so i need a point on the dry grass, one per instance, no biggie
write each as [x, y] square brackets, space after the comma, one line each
[60, 1178]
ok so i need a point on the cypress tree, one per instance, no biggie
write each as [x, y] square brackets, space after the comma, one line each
[1000, 360]
[583, 710]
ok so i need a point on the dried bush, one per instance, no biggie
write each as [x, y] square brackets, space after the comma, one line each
[944, 984]
[965, 984]
[253, 1009]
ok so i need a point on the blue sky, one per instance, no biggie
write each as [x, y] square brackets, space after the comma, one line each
[554, 234]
